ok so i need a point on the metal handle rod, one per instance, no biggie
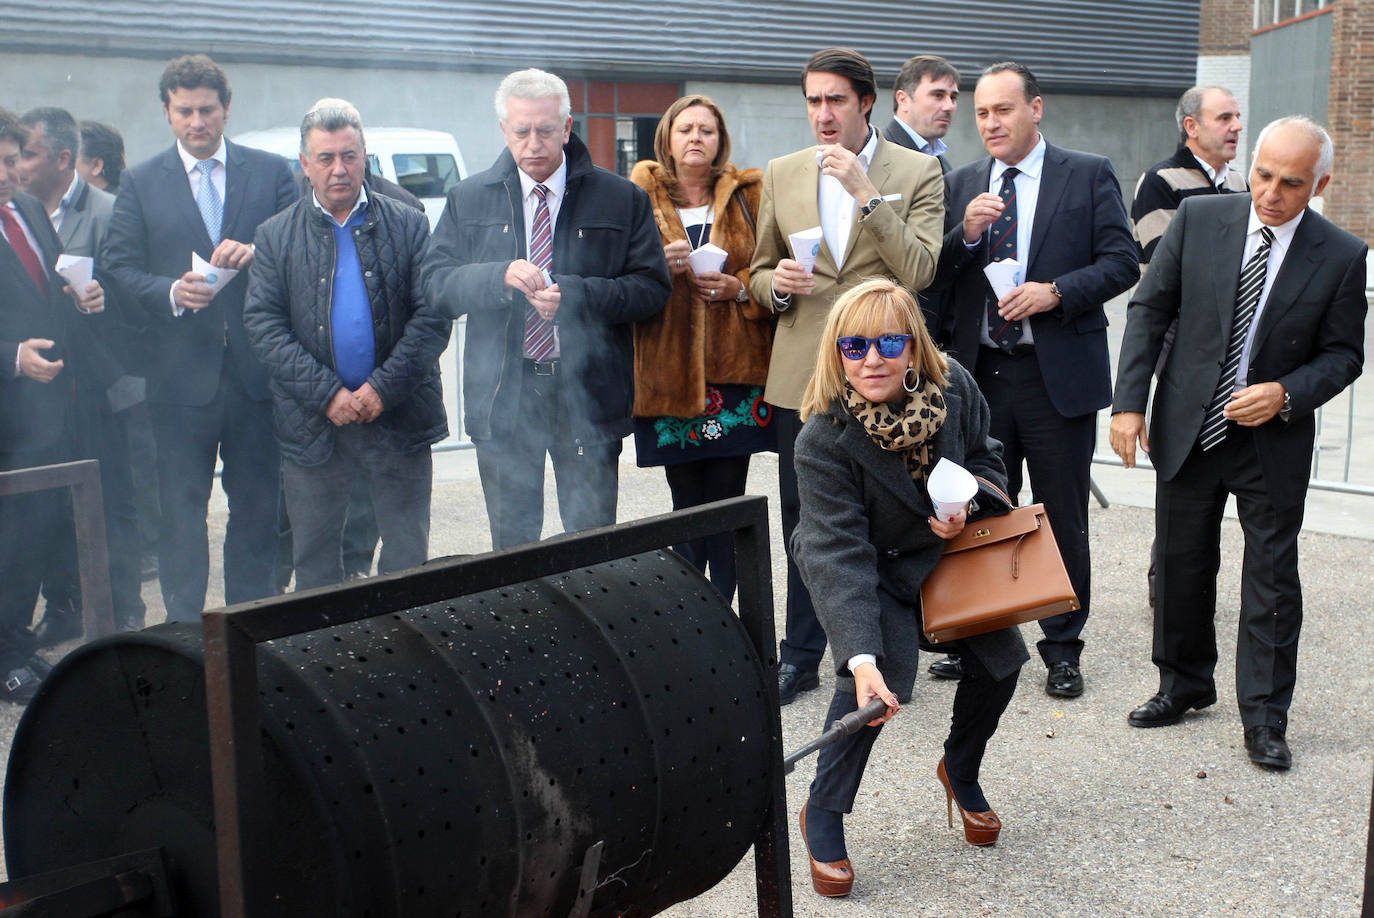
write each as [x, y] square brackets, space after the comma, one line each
[845, 726]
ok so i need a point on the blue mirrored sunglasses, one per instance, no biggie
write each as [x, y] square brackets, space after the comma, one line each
[855, 347]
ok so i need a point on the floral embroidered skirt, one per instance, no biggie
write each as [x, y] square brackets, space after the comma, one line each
[736, 422]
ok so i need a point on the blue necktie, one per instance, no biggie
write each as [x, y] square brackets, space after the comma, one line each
[1005, 333]
[207, 199]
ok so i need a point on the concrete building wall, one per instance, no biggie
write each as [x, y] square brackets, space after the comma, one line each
[766, 119]
[1233, 72]
[1290, 66]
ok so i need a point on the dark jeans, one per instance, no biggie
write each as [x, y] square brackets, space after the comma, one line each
[512, 469]
[29, 525]
[238, 429]
[803, 642]
[979, 701]
[317, 499]
[360, 531]
[1058, 453]
[700, 482]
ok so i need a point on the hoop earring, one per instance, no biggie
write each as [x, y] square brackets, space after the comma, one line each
[913, 386]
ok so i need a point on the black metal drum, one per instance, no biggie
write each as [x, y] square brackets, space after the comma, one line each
[457, 759]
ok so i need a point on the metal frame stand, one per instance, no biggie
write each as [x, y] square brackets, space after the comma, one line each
[232, 636]
[88, 513]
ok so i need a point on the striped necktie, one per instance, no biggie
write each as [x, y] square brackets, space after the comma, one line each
[1247, 300]
[1005, 333]
[539, 333]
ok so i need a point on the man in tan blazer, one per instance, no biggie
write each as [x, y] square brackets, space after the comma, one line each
[882, 207]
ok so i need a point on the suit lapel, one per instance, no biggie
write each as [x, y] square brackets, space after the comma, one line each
[883, 467]
[1226, 256]
[12, 267]
[1054, 178]
[72, 221]
[184, 204]
[235, 185]
[1299, 264]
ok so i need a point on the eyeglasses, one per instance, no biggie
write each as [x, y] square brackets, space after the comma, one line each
[855, 347]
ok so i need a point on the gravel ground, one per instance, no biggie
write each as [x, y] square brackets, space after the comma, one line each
[1100, 818]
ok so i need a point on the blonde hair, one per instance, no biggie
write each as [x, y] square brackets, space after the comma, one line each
[872, 308]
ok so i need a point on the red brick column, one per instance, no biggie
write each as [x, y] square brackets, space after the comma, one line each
[1350, 116]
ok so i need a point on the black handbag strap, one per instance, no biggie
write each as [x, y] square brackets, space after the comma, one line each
[744, 209]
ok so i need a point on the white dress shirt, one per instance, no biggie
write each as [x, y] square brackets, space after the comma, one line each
[1027, 184]
[194, 176]
[936, 147]
[837, 206]
[64, 204]
[1283, 237]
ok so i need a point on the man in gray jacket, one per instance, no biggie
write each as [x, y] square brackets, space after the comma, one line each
[334, 313]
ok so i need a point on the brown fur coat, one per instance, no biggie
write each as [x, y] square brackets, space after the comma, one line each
[689, 342]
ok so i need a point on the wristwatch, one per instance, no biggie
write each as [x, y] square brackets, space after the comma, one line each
[1287, 410]
[743, 295]
[1054, 288]
[870, 206]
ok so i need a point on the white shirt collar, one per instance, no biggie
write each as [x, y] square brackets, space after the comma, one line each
[1217, 176]
[1030, 164]
[936, 147]
[66, 201]
[357, 206]
[1283, 233]
[556, 183]
[188, 162]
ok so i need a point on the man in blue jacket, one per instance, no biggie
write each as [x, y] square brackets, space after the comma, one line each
[552, 259]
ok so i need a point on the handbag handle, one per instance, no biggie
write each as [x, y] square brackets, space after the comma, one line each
[994, 489]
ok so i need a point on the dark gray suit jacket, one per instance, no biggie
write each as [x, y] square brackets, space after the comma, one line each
[86, 221]
[156, 226]
[898, 135]
[863, 544]
[1310, 336]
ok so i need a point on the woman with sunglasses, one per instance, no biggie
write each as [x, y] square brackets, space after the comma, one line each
[700, 364]
[883, 407]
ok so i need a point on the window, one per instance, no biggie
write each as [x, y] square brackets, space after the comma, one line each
[425, 175]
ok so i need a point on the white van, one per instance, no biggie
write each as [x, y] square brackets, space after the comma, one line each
[425, 163]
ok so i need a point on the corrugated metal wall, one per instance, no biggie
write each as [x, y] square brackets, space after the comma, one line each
[1097, 46]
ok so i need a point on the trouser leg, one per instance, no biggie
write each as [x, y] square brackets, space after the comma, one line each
[251, 480]
[316, 497]
[803, 642]
[840, 766]
[400, 486]
[979, 701]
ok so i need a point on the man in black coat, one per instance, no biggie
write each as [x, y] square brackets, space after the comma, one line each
[37, 324]
[552, 259]
[207, 392]
[1270, 303]
[353, 362]
[1039, 353]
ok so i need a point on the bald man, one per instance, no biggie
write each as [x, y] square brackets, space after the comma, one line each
[1270, 303]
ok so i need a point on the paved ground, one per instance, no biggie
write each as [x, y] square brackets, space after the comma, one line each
[1100, 818]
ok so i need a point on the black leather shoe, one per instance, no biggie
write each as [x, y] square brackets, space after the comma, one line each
[1064, 680]
[792, 682]
[21, 683]
[57, 625]
[951, 667]
[1267, 746]
[1164, 709]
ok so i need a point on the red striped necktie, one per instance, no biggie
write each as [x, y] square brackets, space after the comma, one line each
[20, 243]
[539, 333]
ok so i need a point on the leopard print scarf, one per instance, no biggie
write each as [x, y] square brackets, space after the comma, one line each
[908, 427]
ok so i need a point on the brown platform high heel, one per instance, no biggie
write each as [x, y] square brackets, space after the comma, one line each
[828, 878]
[979, 828]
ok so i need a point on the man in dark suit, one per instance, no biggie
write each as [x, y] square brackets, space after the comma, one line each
[36, 395]
[207, 391]
[80, 215]
[1270, 303]
[1039, 352]
[923, 103]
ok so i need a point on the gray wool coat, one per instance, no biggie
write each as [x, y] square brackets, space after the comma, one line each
[864, 545]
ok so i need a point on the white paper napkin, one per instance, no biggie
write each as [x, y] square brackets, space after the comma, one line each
[77, 269]
[806, 245]
[217, 278]
[706, 259]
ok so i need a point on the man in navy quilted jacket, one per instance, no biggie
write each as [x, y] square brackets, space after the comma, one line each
[334, 313]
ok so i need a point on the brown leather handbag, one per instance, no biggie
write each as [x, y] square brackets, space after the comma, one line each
[1000, 571]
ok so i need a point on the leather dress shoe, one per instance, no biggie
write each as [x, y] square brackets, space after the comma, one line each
[1267, 746]
[57, 625]
[951, 667]
[828, 878]
[792, 682]
[1064, 680]
[1164, 709]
